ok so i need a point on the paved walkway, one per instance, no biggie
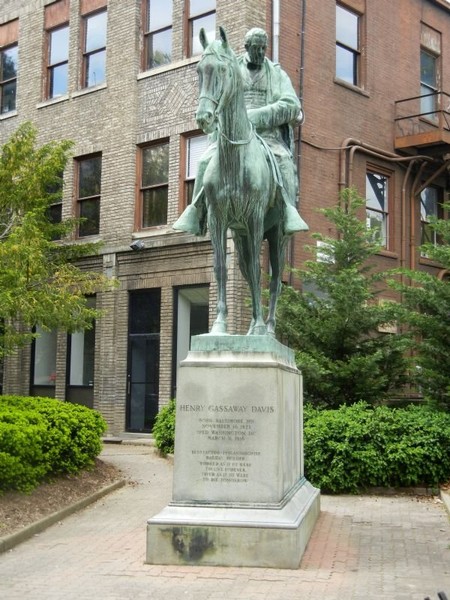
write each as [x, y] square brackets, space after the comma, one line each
[362, 547]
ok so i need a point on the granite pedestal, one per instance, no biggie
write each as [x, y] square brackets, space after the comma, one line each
[239, 494]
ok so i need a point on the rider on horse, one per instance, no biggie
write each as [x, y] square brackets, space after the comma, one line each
[273, 108]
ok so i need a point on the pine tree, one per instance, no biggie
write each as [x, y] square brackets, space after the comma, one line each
[425, 310]
[335, 326]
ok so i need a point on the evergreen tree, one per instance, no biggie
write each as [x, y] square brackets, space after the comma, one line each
[335, 327]
[426, 310]
[40, 283]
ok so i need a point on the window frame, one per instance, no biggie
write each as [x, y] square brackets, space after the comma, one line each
[148, 33]
[10, 80]
[187, 181]
[438, 214]
[79, 200]
[355, 52]
[189, 26]
[48, 351]
[86, 55]
[139, 224]
[50, 67]
[386, 244]
[425, 99]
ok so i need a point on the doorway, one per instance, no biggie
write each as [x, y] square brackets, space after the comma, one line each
[143, 360]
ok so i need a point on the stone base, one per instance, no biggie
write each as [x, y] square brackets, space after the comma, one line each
[234, 536]
[239, 493]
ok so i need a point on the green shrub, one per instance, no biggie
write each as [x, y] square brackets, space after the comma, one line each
[43, 436]
[356, 447]
[164, 428]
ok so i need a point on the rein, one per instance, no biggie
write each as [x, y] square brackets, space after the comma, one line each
[237, 142]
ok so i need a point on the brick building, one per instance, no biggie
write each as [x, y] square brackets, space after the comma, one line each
[118, 77]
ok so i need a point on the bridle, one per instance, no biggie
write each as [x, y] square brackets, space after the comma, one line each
[217, 102]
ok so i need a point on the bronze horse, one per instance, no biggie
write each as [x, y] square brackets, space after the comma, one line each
[239, 185]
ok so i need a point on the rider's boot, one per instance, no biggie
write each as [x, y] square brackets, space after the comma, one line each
[189, 220]
[292, 220]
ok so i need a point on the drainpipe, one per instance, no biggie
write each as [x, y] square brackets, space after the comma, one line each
[275, 30]
[299, 139]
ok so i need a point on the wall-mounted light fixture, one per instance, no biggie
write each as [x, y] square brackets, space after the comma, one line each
[137, 245]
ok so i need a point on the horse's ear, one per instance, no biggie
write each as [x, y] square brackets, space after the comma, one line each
[203, 38]
[223, 36]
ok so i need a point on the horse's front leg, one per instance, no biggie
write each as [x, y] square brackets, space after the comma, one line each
[219, 242]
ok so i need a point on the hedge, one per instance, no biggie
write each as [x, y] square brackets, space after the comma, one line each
[40, 437]
[356, 447]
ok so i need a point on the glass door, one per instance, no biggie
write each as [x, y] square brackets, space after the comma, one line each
[143, 360]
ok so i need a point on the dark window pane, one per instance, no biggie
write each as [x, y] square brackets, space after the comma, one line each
[89, 210]
[95, 68]
[155, 165]
[58, 80]
[189, 190]
[154, 209]
[8, 97]
[346, 27]
[90, 174]
[209, 25]
[96, 32]
[55, 213]
[198, 7]
[159, 14]
[59, 45]
[159, 49]
[345, 65]
[9, 63]
[145, 311]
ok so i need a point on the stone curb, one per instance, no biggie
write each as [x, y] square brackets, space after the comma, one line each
[10, 541]
[445, 497]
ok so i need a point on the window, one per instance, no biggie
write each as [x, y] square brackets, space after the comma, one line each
[88, 195]
[58, 62]
[94, 54]
[428, 84]
[347, 45]
[430, 63]
[56, 24]
[202, 13]
[191, 318]
[81, 357]
[54, 211]
[195, 148]
[377, 194]
[8, 78]
[429, 209]
[9, 62]
[154, 184]
[158, 33]
[43, 376]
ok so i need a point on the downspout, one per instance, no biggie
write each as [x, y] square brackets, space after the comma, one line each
[275, 30]
[299, 139]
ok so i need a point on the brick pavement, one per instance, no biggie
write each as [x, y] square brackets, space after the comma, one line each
[362, 547]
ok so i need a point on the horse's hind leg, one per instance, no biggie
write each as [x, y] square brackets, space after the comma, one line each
[219, 242]
[277, 247]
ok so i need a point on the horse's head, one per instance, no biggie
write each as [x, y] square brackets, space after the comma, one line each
[217, 71]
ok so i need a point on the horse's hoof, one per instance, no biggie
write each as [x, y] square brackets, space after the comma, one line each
[258, 330]
[218, 328]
